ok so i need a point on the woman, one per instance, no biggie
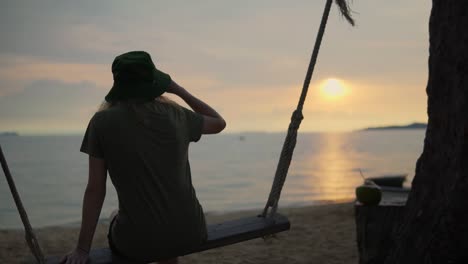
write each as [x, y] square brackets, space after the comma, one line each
[142, 140]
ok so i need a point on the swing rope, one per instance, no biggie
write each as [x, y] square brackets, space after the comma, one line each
[31, 239]
[296, 118]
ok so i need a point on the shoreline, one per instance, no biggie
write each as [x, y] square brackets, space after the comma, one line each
[319, 233]
[106, 219]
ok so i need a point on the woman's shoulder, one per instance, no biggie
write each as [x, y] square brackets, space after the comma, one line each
[102, 115]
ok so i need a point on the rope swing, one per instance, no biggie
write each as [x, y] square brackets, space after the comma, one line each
[296, 118]
[30, 237]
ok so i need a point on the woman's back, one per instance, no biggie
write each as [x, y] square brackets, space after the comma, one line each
[146, 150]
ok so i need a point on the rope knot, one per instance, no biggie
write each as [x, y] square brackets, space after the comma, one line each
[297, 115]
[296, 120]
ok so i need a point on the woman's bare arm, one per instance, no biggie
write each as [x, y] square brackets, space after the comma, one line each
[213, 122]
[92, 205]
[92, 201]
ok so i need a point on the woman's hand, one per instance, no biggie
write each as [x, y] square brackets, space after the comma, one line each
[77, 256]
[174, 88]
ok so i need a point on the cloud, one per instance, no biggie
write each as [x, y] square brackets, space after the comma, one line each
[243, 42]
[49, 29]
[248, 58]
[65, 106]
[16, 72]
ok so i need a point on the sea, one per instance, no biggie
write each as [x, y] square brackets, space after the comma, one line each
[230, 172]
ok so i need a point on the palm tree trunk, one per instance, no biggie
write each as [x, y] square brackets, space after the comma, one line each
[435, 226]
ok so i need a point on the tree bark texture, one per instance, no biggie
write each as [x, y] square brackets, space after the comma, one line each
[435, 226]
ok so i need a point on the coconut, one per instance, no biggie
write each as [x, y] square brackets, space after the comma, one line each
[369, 193]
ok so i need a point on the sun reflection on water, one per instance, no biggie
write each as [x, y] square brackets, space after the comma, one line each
[329, 171]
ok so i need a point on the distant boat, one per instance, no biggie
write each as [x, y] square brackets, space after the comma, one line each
[396, 180]
[9, 134]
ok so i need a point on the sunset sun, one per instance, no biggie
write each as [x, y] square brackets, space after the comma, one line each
[333, 88]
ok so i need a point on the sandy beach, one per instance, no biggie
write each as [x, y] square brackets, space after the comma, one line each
[319, 234]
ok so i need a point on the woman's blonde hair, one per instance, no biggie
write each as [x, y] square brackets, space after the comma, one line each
[161, 99]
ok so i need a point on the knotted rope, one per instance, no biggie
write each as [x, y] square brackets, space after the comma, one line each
[296, 118]
[29, 235]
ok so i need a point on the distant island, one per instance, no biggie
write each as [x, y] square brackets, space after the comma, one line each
[410, 126]
[9, 134]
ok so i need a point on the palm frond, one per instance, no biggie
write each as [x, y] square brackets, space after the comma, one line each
[345, 10]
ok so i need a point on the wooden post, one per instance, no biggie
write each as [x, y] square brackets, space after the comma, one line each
[375, 224]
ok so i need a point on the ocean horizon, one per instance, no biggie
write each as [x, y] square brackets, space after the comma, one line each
[230, 172]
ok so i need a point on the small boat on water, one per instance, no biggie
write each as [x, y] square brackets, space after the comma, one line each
[396, 180]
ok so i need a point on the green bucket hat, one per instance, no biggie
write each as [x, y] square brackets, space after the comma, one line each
[136, 77]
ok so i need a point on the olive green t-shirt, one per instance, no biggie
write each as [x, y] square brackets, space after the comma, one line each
[145, 148]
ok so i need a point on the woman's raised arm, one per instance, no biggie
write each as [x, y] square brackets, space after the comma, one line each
[213, 122]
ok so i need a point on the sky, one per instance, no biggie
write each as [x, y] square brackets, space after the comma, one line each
[247, 59]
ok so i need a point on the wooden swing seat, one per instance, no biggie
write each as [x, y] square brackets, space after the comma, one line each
[219, 235]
